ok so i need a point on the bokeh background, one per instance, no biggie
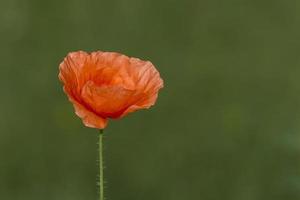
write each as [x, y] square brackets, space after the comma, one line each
[226, 125]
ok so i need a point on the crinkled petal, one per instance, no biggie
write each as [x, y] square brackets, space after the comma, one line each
[148, 83]
[89, 118]
[112, 69]
[108, 101]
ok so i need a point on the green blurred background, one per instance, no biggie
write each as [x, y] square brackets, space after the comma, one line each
[225, 127]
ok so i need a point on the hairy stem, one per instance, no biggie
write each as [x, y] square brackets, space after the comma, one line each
[101, 182]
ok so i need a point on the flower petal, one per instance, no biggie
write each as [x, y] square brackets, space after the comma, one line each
[107, 100]
[112, 69]
[71, 70]
[89, 118]
[148, 83]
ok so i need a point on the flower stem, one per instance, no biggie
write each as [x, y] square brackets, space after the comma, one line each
[101, 182]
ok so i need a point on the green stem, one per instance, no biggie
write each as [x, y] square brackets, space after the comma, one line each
[101, 183]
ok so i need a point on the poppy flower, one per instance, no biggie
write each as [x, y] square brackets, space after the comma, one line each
[104, 85]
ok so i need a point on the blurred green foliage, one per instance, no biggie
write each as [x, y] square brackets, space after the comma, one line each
[226, 125]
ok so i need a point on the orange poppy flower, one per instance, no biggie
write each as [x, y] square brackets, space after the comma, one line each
[104, 85]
